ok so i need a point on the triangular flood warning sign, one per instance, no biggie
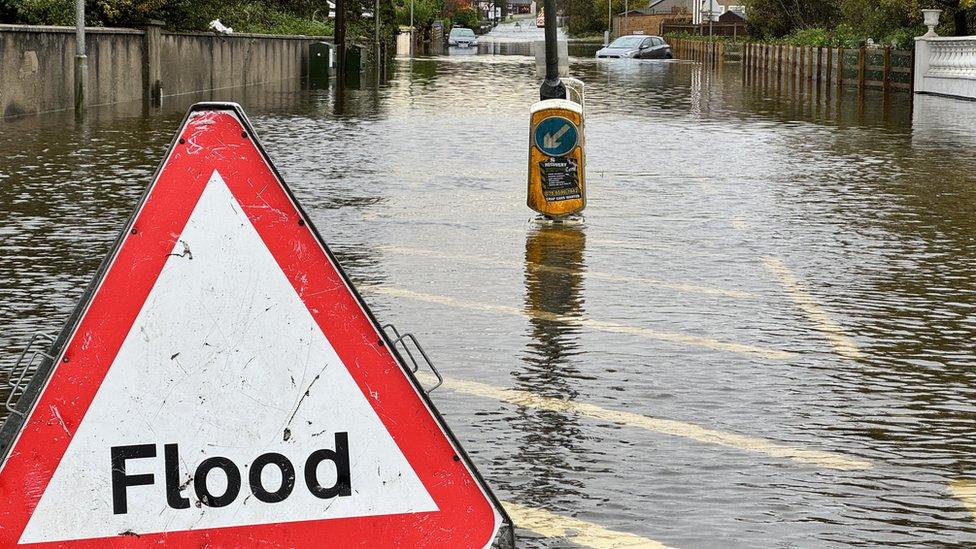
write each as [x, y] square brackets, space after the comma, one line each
[222, 384]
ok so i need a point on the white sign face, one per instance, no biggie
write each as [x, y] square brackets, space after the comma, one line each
[185, 409]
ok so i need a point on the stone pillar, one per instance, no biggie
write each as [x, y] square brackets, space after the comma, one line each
[152, 84]
[922, 55]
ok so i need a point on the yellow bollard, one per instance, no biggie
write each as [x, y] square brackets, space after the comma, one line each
[557, 162]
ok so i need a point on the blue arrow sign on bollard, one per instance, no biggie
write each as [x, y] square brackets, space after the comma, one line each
[556, 136]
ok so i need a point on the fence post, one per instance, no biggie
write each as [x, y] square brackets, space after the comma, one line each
[840, 69]
[808, 60]
[860, 68]
[801, 65]
[887, 69]
[779, 71]
[830, 66]
[819, 67]
[793, 62]
[766, 61]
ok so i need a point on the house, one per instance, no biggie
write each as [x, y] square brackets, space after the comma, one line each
[649, 20]
[732, 16]
[703, 10]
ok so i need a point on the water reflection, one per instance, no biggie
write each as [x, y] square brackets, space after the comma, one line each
[554, 267]
[697, 175]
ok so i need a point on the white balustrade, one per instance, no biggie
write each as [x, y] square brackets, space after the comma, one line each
[946, 65]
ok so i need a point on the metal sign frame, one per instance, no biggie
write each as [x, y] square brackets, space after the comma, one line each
[24, 407]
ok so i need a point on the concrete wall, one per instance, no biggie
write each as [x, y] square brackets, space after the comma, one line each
[37, 68]
[202, 61]
[37, 64]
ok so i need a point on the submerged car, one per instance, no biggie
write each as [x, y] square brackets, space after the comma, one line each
[461, 37]
[637, 46]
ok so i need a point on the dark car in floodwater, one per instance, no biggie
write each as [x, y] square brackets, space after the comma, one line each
[636, 46]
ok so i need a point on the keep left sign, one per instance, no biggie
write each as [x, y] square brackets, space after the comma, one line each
[222, 384]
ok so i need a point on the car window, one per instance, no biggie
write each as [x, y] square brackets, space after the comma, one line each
[658, 41]
[648, 42]
[626, 42]
[462, 33]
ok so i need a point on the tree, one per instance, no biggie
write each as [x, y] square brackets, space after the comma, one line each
[583, 18]
[960, 11]
[774, 18]
[880, 19]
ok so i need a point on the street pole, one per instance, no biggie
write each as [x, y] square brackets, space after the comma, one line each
[340, 42]
[552, 86]
[81, 58]
[711, 5]
[609, 23]
[412, 37]
[376, 37]
[626, 17]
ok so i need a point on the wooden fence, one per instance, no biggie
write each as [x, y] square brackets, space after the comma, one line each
[878, 68]
[721, 28]
[711, 53]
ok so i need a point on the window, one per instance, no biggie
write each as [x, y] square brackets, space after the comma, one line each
[628, 42]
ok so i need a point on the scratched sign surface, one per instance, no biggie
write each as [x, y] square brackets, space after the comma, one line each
[224, 385]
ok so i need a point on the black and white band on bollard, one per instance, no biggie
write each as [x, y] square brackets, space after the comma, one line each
[222, 383]
[557, 160]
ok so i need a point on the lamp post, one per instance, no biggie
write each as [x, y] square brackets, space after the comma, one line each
[412, 37]
[81, 58]
[376, 36]
[552, 87]
[340, 42]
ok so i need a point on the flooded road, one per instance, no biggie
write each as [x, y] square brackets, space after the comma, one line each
[760, 335]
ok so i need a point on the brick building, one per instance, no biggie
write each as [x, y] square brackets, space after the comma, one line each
[649, 20]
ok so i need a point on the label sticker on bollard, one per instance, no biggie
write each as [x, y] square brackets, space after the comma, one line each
[222, 384]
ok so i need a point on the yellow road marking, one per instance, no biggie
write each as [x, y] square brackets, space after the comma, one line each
[577, 531]
[527, 399]
[628, 244]
[677, 286]
[843, 344]
[578, 321]
[965, 491]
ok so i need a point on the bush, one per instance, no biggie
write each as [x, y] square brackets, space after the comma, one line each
[259, 18]
[843, 36]
[466, 17]
[44, 12]
[903, 39]
[810, 37]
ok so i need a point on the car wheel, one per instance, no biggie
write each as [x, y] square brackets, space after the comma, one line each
[668, 56]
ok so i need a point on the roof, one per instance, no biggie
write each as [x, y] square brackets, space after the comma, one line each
[732, 15]
[655, 7]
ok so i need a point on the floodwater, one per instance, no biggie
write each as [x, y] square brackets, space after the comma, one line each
[762, 328]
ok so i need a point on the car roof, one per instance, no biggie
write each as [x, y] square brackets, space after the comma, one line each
[640, 36]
